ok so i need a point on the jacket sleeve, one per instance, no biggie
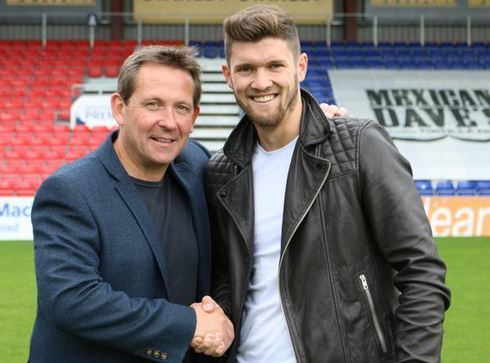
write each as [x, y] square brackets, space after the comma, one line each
[394, 209]
[72, 294]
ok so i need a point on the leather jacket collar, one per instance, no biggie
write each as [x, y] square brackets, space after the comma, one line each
[314, 129]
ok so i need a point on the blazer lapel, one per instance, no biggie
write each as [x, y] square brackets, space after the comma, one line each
[137, 207]
[128, 192]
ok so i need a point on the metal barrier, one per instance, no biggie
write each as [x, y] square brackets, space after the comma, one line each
[370, 29]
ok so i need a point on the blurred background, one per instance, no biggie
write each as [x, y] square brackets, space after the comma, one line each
[421, 68]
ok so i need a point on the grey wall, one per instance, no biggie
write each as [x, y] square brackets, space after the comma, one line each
[56, 14]
[68, 22]
[391, 14]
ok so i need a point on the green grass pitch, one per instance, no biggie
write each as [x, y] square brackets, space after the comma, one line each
[467, 330]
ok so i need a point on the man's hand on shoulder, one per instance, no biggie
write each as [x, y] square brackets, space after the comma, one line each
[333, 110]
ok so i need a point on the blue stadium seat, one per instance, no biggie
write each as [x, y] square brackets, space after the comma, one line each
[484, 61]
[456, 62]
[407, 62]
[391, 63]
[467, 52]
[440, 62]
[472, 63]
[424, 187]
[423, 62]
[317, 51]
[375, 62]
[322, 61]
[370, 52]
[445, 187]
[211, 52]
[466, 187]
[343, 62]
[483, 187]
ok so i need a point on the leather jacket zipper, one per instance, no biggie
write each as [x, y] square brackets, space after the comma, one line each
[244, 292]
[374, 317]
[282, 258]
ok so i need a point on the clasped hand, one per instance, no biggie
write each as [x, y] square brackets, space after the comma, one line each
[214, 331]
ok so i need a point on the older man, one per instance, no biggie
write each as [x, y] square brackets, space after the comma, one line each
[121, 236]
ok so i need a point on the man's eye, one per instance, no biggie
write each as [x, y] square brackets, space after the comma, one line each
[276, 65]
[183, 109]
[245, 70]
[152, 105]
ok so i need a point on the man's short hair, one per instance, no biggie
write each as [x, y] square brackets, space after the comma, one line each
[254, 23]
[182, 58]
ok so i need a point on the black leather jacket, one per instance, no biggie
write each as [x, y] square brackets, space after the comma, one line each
[360, 277]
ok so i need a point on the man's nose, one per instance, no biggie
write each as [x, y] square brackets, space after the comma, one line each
[262, 79]
[167, 118]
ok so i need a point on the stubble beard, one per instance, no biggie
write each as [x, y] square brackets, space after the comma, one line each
[275, 119]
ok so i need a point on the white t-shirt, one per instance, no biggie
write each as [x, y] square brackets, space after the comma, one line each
[264, 336]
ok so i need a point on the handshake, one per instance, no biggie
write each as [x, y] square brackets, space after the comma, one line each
[214, 331]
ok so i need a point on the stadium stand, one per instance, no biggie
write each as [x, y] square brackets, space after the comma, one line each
[466, 187]
[445, 187]
[36, 93]
[483, 187]
[424, 187]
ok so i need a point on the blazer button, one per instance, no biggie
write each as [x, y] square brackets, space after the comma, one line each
[163, 356]
[149, 352]
[156, 354]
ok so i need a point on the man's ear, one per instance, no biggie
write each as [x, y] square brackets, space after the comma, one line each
[302, 66]
[195, 114]
[117, 108]
[225, 69]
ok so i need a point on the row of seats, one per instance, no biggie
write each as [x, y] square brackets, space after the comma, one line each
[384, 56]
[448, 187]
[321, 48]
[408, 62]
[397, 51]
[32, 145]
[23, 64]
[31, 152]
[83, 44]
[24, 179]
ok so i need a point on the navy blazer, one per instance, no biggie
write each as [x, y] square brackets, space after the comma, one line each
[100, 266]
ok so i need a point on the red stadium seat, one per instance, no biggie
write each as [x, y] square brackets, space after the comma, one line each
[43, 127]
[5, 140]
[7, 187]
[26, 187]
[21, 140]
[94, 70]
[76, 153]
[8, 117]
[53, 154]
[55, 164]
[80, 139]
[6, 128]
[12, 155]
[12, 167]
[33, 154]
[111, 70]
[64, 115]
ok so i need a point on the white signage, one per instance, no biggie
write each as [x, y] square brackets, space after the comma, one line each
[440, 120]
[92, 110]
[15, 218]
